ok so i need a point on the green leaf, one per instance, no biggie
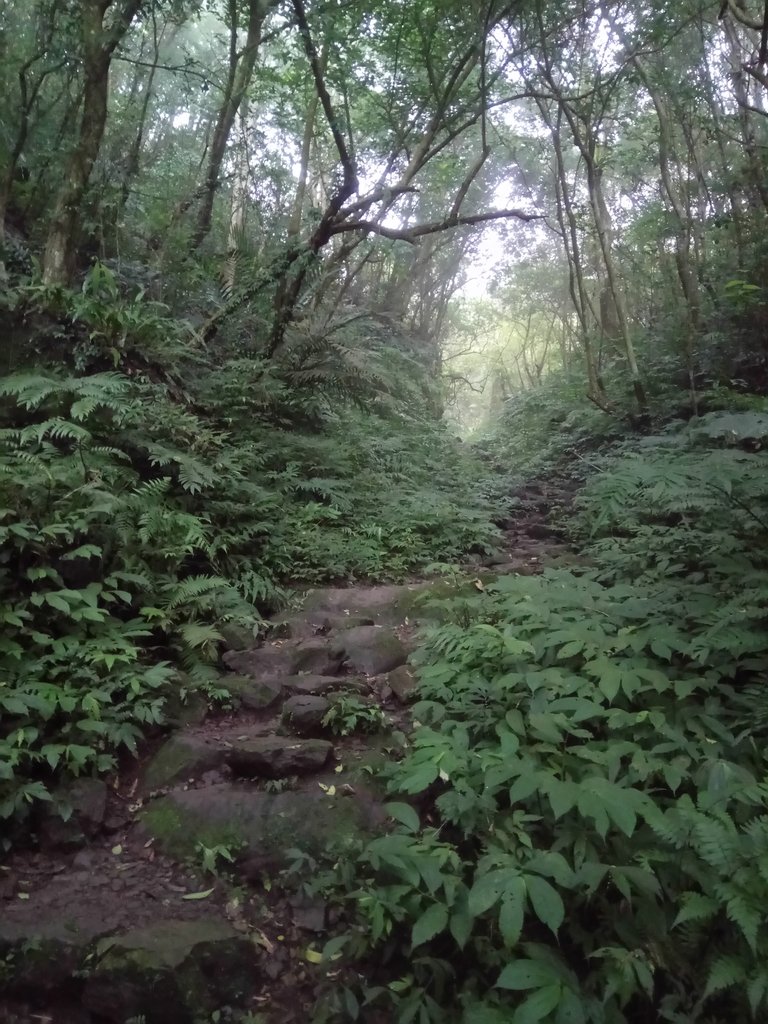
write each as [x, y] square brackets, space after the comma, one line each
[405, 814]
[485, 893]
[696, 907]
[461, 924]
[57, 602]
[539, 1005]
[525, 974]
[546, 902]
[512, 912]
[419, 778]
[433, 921]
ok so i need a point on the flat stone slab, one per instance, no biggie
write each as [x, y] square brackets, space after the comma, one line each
[276, 757]
[319, 685]
[188, 755]
[259, 827]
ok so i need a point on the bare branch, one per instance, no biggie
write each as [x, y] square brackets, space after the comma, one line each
[412, 235]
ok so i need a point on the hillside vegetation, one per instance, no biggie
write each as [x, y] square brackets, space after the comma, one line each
[299, 295]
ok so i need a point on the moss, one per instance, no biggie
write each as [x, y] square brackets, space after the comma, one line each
[256, 824]
[178, 832]
[180, 757]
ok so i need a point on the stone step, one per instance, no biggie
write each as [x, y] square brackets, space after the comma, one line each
[190, 755]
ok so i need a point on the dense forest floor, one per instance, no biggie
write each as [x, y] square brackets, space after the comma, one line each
[185, 872]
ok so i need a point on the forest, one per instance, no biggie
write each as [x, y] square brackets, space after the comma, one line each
[383, 511]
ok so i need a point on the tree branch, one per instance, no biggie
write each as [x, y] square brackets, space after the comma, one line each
[412, 235]
[347, 163]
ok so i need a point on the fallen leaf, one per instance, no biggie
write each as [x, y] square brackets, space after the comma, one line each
[261, 939]
[198, 895]
[339, 768]
[23, 895]
[313, 957]
[117, 850]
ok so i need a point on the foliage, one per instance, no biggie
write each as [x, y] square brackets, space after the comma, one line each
[141, 513]
[348, 714]
[590, 772]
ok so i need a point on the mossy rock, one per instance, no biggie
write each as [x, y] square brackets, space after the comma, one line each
[371, 649]
[176, 971]
[181, 757]
[259, 826]
[256, 695]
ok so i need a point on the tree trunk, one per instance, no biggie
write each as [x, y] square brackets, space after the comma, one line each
[98, 46]
[241, 67]
[239, 208]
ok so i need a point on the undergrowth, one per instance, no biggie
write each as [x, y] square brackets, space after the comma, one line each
[581, 827]
[141, 513]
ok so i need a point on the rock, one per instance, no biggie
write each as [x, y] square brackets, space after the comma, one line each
[512, 568]
[317, 655]
[260, 827]
[540, 531]
[262, 662]
[402, 682]
[180, 758]
[237, 637]
[304, 714]
[275, 757]
[254, 694]
[45, 950]
[170, 971]
[371, 649]
[494, 558]
[388, 605]
[309, 915]
[180, 711]
[312, 684]
[83, 803]
[189, 755]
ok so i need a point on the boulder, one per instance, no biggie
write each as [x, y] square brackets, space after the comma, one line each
[268, 662]
[182, 757]
[317, 655]
[184, 706]
[254, 694]
[304, 714]
[371, 649]
[171, 971]
[236, 636]
[402, 682]
[275, 757]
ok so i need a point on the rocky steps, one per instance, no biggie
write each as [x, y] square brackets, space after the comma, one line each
[154, 899]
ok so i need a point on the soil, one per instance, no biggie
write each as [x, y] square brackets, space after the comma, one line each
[123, 877]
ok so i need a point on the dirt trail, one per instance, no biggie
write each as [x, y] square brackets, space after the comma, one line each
[116, 913]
